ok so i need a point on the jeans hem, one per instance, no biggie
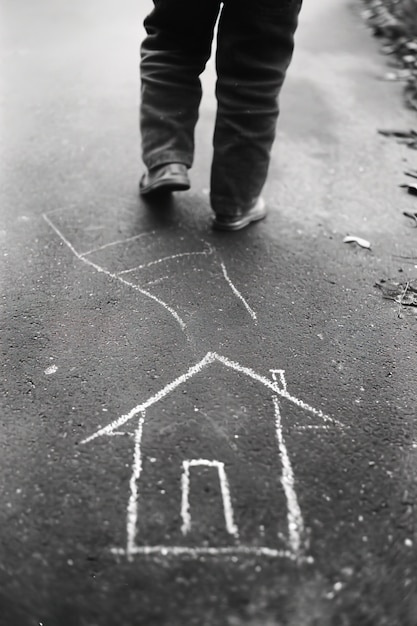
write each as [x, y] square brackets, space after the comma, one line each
[222, 205]
[168, 157]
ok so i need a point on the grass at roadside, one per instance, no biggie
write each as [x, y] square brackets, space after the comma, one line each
[395, 22]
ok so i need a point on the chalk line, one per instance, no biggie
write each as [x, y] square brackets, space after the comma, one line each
[185, 502]
[303, 427]
[294, 515]
[274, 387]
[117, 242]
[211, 551]
[100, 269]
[279, 374]
[158, 396]
[166, 258]
[210, 357]
[119, 275]
[225, 491]
[157, 281]
[132, 508]
[237, 292]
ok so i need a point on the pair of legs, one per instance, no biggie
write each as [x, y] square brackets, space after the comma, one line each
[254, 47]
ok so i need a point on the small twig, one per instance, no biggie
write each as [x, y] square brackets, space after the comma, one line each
[400, 301]
[412, 216]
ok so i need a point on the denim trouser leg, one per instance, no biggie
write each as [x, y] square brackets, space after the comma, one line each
[173, 55]
[254, 48]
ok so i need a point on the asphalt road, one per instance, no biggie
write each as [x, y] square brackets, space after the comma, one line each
[202, 428]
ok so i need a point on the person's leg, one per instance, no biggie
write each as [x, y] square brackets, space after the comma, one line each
[254, 48]
[173, 55]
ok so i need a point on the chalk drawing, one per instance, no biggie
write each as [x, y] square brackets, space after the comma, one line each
[114, 243]
[113, 275]
[237, 293]
[132, 507]
[295, 518]
[165, 258]
[210, 551]
[225, 491]
[211, 357]
[157, 281]
[297, 544]
[279, 377]
[120, 275]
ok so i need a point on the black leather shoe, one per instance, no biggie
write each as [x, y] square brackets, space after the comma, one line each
[236, 222]
[164, 179]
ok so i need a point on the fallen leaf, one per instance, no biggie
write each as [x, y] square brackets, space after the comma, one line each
[402, 134]
[405, 137]
[411, 45]
[411, 188]
[361, 242]
[390, 76]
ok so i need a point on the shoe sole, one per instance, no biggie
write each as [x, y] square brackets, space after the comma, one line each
[246, 220]
[165, 185]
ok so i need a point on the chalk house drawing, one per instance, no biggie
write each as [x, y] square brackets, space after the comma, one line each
[293, 545]
[143, 275]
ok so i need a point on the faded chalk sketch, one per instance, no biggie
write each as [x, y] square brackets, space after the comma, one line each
[295, 545]
[146, 275]
[228, 479]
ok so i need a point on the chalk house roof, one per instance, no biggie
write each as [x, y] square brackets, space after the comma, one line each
[277, 387]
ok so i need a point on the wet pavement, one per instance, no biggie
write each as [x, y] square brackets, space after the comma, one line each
[202, 428]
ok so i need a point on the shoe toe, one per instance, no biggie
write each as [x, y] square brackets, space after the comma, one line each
[166, 178]
[237, 222]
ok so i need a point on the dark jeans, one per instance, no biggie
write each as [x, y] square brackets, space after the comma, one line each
[254, 47]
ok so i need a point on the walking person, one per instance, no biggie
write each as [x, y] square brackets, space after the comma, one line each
[255, 40]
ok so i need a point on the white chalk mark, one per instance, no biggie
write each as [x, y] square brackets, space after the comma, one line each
[152, 297]
[185, 503]
[295, 518]
[51, 370]
[101, 270]
[279, 377]
[158, 396]
[119, 275]
[120, 434]
[132, 509]
[210, 551]
[272, 385]
[225, 491]
[304, 427]
[210, 357]
[237, 292]
[116, 243]
[157, 281]
[166, 258]
[61, 236]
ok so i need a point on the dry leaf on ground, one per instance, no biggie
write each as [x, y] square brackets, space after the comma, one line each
[361, 242]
